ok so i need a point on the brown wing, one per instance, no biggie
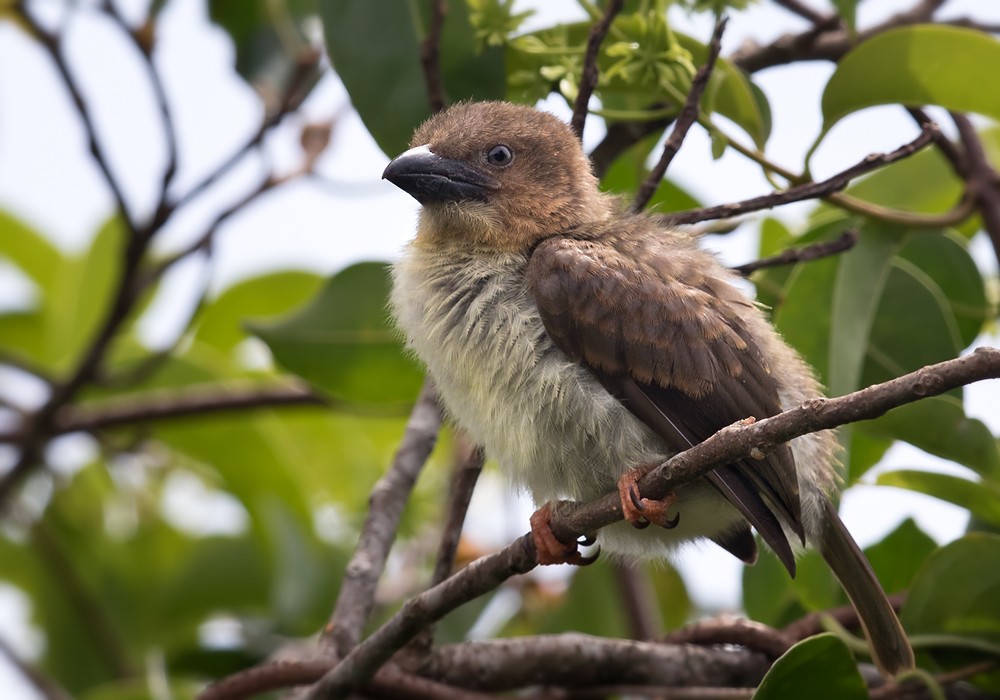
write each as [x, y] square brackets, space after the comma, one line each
[665, 336]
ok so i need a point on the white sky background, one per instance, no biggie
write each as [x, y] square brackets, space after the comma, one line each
[48, 179]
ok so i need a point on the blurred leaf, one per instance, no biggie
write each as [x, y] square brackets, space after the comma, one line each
[938, 425]
[344, 342]
[899, 555]
[768, 593]
[589, 606]
[814, 583]
[629, 170]
[804, 311]
[957, 591]
[848, 11]
[221, 323]
[270, 39]
[671, 594]
[375, 50]
[817, 668]
[980, 498]
[915, 66]
[29, 250]
[864, 451]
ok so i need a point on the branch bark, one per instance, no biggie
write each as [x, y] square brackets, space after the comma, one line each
[570, 520]
[385, 508]
[588, 80]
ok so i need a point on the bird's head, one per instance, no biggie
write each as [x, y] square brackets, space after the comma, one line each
[497, 176]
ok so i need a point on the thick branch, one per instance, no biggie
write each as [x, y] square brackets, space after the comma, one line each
[580, 660]
[688, 115]
[357, 590]
[588, 80]
[810, 190]
[572, 519]
[430, 56]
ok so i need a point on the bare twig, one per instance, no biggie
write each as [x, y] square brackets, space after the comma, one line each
[810, 190]
[823, 249]
[569, 520]
[688, 115]
[948, 149]
[588, 80]
[845, 616]
[468, 466]
[42, 684]
[386, 503]
[983, 180]
[161, 213]
[430, 56]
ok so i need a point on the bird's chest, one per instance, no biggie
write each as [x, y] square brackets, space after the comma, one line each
[549, 423]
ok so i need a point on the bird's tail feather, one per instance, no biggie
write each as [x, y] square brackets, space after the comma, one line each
[891, 649]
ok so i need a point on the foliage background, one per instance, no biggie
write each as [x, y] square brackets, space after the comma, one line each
[293, 481]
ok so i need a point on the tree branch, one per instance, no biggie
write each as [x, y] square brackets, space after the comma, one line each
[569, 520]
[823, 249]
[386, 503]
[580, 660]
[810, 190]
[469, 460]
[688, 115]
[430, 54]
[983, 180]
[588, 79]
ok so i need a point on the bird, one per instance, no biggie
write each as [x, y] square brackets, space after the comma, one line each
[581, 344]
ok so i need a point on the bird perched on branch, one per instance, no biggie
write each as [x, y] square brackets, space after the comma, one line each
[582, 345]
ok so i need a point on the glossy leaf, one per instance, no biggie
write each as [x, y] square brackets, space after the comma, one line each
[980, 498]
[344, 342]
[915, 66]
[375, 50]
[818, 668]
[958, 591]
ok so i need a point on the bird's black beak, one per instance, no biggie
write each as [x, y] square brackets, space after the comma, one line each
[428, 177]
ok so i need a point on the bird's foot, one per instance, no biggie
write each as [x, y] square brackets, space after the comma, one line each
[642, 511]
[550, 549]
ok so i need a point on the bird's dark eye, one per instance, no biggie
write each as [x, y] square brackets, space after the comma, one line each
[500, 156]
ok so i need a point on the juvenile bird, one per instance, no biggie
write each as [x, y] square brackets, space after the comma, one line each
[581, 345]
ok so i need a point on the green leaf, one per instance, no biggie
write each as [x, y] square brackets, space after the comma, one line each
[817, 668]
[915, 66]
[375, 49]
[900, 554]
[938, 425]
[344, 342]
[864, 450]
[982, 498]
[944, 257]
[957, 592]
[29, 250]
[629, 170]
[586, 607]
[861, 277]
[221, 323]
[848, 11]
[768, 593]
[674, 601]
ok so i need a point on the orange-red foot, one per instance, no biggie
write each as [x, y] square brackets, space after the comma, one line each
[549, 549]
[642, 511]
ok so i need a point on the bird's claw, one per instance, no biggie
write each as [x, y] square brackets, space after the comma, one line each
[549, 549]
[642, 512]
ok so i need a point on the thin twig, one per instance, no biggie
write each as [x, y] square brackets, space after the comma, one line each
[388, 498]
[948, 149]
[469, 460]
[823, 249]
[42, 684]
[588, 79]
[569, 520]
[845, 616]
[161, 213]
[430, 56]
[688, 115]
[810, 190]
[983, 180]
